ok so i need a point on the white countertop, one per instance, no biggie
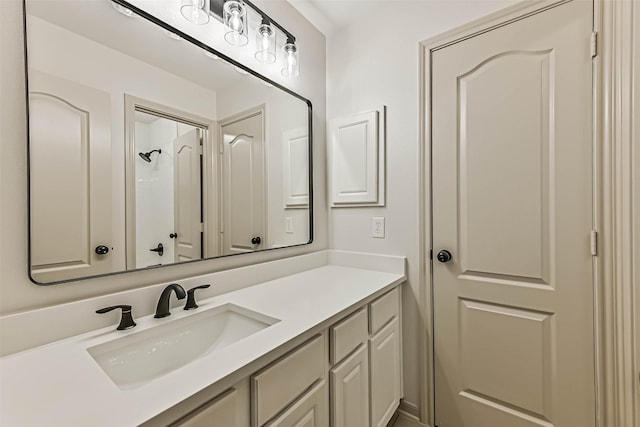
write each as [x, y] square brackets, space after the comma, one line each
[60, 384]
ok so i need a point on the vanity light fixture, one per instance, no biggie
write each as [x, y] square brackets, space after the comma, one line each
[235, 21]
[234, 16]
[265, 43]
[196, 11]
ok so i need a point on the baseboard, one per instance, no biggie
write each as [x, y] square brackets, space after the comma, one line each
[409, 409]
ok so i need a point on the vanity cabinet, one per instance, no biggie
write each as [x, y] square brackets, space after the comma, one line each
[346, 375]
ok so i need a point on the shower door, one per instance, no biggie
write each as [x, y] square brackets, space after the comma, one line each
[512, 220]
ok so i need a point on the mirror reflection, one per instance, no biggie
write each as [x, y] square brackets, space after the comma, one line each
[147, 150]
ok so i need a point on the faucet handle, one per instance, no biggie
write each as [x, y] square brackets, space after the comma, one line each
[191, 298]
[126, 320]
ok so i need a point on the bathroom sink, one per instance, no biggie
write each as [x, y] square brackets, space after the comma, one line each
[139, 358]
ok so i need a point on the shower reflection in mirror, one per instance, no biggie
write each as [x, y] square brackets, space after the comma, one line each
[165, 203]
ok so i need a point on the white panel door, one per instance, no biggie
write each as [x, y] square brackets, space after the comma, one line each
[187, 195]
[244, 204]
[512, 203]
[70, 181]
[350, 390]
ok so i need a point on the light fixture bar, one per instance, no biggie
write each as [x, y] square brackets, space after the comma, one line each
[216, 8]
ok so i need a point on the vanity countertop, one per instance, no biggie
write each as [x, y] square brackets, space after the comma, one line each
[61, 384]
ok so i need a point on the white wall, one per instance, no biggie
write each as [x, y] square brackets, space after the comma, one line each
[283, 113]
[372, 62]
[17, 292]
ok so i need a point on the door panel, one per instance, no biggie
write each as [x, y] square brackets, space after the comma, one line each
[244, 185]
[187, 183]
[512, 202]
[70, 154]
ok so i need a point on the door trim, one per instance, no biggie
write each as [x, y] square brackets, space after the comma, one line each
[617, 388]
[618, 302]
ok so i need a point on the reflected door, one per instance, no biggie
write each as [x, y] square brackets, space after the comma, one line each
[70, 155]
[244, 185]
[187, 196]
[512, 185]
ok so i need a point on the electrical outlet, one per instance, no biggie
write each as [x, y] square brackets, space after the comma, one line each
[377, 227]
[288, 225]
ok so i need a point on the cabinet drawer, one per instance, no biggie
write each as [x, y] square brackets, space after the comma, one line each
[348, 334]
[384, 309]
[280, 384]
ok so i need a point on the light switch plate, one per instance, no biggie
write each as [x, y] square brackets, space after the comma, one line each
[377, 227]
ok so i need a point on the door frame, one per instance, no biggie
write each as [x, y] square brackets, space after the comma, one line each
[616, 335]
[210, 170]
[245, 114]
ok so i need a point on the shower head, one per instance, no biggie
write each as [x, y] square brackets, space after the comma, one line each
[147, 156]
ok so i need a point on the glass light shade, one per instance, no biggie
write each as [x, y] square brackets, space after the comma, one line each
[265, 44]
[235, 21]
[291, 63]
[196, 11]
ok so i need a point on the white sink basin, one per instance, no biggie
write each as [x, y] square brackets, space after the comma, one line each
[139, 358]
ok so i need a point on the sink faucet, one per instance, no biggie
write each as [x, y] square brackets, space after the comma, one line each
[162, 310]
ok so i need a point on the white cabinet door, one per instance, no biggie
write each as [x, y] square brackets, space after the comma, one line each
[350, 391]
[311, 410]
[384, 357]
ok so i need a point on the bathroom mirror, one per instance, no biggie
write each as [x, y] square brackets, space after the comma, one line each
[149, 148]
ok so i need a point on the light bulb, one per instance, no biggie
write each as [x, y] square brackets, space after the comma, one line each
[235, 22]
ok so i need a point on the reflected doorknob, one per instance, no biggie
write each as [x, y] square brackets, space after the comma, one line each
[444, 256]
[102, 250]
[256, 240]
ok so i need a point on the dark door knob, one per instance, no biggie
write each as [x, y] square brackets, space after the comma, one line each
[256, 240]
[444, 256]
[173, 235]
[102, 250]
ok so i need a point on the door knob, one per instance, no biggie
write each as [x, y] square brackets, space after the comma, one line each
[102, 250]
[256, 240]
[444, 256]
[173, 235]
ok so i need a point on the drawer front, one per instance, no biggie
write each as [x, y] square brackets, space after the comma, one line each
[311, 410]
[384, 309]
[280, 384]
[347, 335]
